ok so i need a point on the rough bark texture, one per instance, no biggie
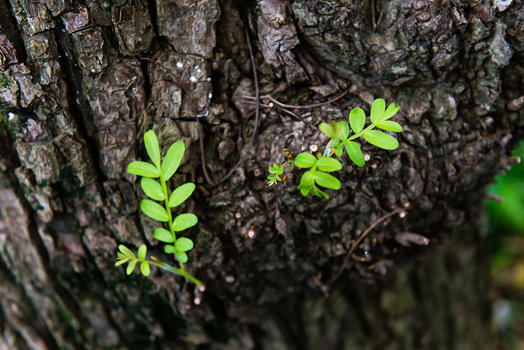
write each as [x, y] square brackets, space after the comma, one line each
[81, 82]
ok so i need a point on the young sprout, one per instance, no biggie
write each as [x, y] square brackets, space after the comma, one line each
[339, 133]
[154, 183]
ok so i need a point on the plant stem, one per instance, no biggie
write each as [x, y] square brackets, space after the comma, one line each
[181, 271]
[169, 217]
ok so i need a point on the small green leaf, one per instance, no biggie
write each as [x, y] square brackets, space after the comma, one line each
[181, 256]
[304, 190]
[307, 179]
[153, 210]
[143, 169]
[183, 244]
[391, 111]
[276, 169]
[184, 221]
[335, 130]
[131, 266]
[305, 160]
[142, 250]
[152, 188]
[328, 164]
[338, 150]
[343, 130]
[121, 261]
[180, 194]
[315, 191]
[377, 110]
[328, 130]
[144, 268]
[326, 180]
[153, 151]
[169, 249]
[163, 235]
[381, 139]
[389, 125]
[121, 256]
[357, 119]
[355, 153]
[126, 251]
[172, 159]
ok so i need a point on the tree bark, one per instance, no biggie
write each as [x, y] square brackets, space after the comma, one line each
[80, 83]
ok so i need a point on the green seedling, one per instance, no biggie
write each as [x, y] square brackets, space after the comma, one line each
[343, 136]
[154, 183]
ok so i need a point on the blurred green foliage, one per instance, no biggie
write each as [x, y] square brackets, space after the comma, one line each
[508, 216]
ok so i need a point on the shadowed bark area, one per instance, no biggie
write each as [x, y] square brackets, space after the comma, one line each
[80, 83]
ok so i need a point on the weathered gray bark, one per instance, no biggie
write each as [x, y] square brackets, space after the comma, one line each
[79, 85]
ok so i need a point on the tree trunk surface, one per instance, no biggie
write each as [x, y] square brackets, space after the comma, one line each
[80, 83]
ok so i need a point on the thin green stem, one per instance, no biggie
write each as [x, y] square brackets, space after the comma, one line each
[169, 216]
[181, 271]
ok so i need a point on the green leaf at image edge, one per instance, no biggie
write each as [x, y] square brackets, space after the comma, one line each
[153, 210]
[152, 148]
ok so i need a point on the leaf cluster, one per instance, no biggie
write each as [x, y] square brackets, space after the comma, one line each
[125, 255]
[343, 136]
[154, 184]
[339, 132]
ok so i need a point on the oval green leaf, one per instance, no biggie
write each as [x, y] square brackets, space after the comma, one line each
[152, 188]
[328, 164]
[142, 250]
[389, 125]
[305, 160]
[143, 169]
[377, 110]
[357, 119]
[342, 130]
[180, 194]
[144, 268]
[152, 148]
[172, 159]
[169, 249]
[153, 210]
[326, 180]
[131, 266]
[381, 139]
[183, 244]
[327, 130]
[181, 256]
[355, 153]
[184, 221]
[163, 235]
[307, 179]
